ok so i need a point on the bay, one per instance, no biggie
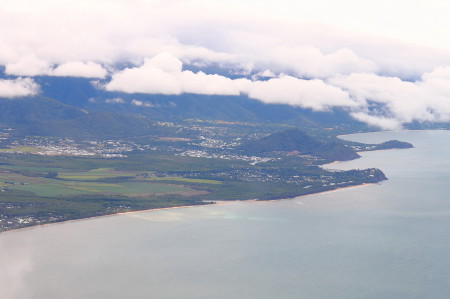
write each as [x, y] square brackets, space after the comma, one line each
[387, 240]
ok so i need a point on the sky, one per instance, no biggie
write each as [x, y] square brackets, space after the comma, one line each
[386, 62]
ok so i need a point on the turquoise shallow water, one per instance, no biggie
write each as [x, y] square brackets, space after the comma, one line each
[389, 240]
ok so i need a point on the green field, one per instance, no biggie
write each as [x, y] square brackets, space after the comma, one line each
[186, 180]
[64, 188]
[53, 188]
[29, 168]
[19, 148]
[97, 181]
[95, 174]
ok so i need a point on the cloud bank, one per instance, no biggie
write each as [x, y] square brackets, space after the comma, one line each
[32, 66]
[311, 59]
[163, 74]
[314, 94]
[20, 87]
[382, 101]
[233, 35]
[79, 69]
[397, 101]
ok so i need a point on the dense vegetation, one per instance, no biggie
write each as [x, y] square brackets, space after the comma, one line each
[393, 144]
[296, 140]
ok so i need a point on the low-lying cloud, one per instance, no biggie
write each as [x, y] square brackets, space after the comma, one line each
[309, 61]
[32, 66]
[163, 74]
[115, 101]
[398, 101]
[79, 31]
[381, 101]
[79, 69]
[20, 87]
[314, 94]
[141, 103]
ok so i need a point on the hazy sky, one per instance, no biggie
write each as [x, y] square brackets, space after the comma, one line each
[313, 54]
[420, 22]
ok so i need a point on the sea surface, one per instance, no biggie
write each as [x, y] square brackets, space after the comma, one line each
[387, 240]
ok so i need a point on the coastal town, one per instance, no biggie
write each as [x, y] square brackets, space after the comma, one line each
[198, 162]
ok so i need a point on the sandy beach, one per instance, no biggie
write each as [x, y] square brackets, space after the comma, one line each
[183, 207]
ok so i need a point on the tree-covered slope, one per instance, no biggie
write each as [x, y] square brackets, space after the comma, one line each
[296, 140]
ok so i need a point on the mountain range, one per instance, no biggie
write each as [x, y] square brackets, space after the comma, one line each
[74, 107]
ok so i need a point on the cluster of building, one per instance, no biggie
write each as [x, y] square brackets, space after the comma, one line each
[226, 156]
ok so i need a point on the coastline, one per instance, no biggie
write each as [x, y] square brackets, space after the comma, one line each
[183, 207]
[309, 194]
[327, 166]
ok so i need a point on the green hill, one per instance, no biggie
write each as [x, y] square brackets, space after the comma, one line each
[296, 140]
[391, 144]
[26, 111]
[46, 117]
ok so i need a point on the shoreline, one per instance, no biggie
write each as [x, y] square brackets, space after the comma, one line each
[182, 207]
[310, 194]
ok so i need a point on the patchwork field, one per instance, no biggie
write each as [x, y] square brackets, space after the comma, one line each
[42, 189]
[126, 183]
[22, 149]
[186, 180]
[95, 174]
[54, 188]
[36, 190]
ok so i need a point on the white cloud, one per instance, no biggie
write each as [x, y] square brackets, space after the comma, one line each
[314, 94]
[28, 66]
[427, 100]
[334, 44]
[141, 103]
[163, 74]
[80, 69]
[440, 73]
[201, 83]
[166, 62]
[377, 121]
[310, 62]
[32, 66]
[20, 87]
[115, 101]
[145, 79]
[265, 74]
[204, 32]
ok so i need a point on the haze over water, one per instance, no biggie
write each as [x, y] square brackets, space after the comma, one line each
[389, 240]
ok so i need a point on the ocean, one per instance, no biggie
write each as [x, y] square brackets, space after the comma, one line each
[386, 240]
